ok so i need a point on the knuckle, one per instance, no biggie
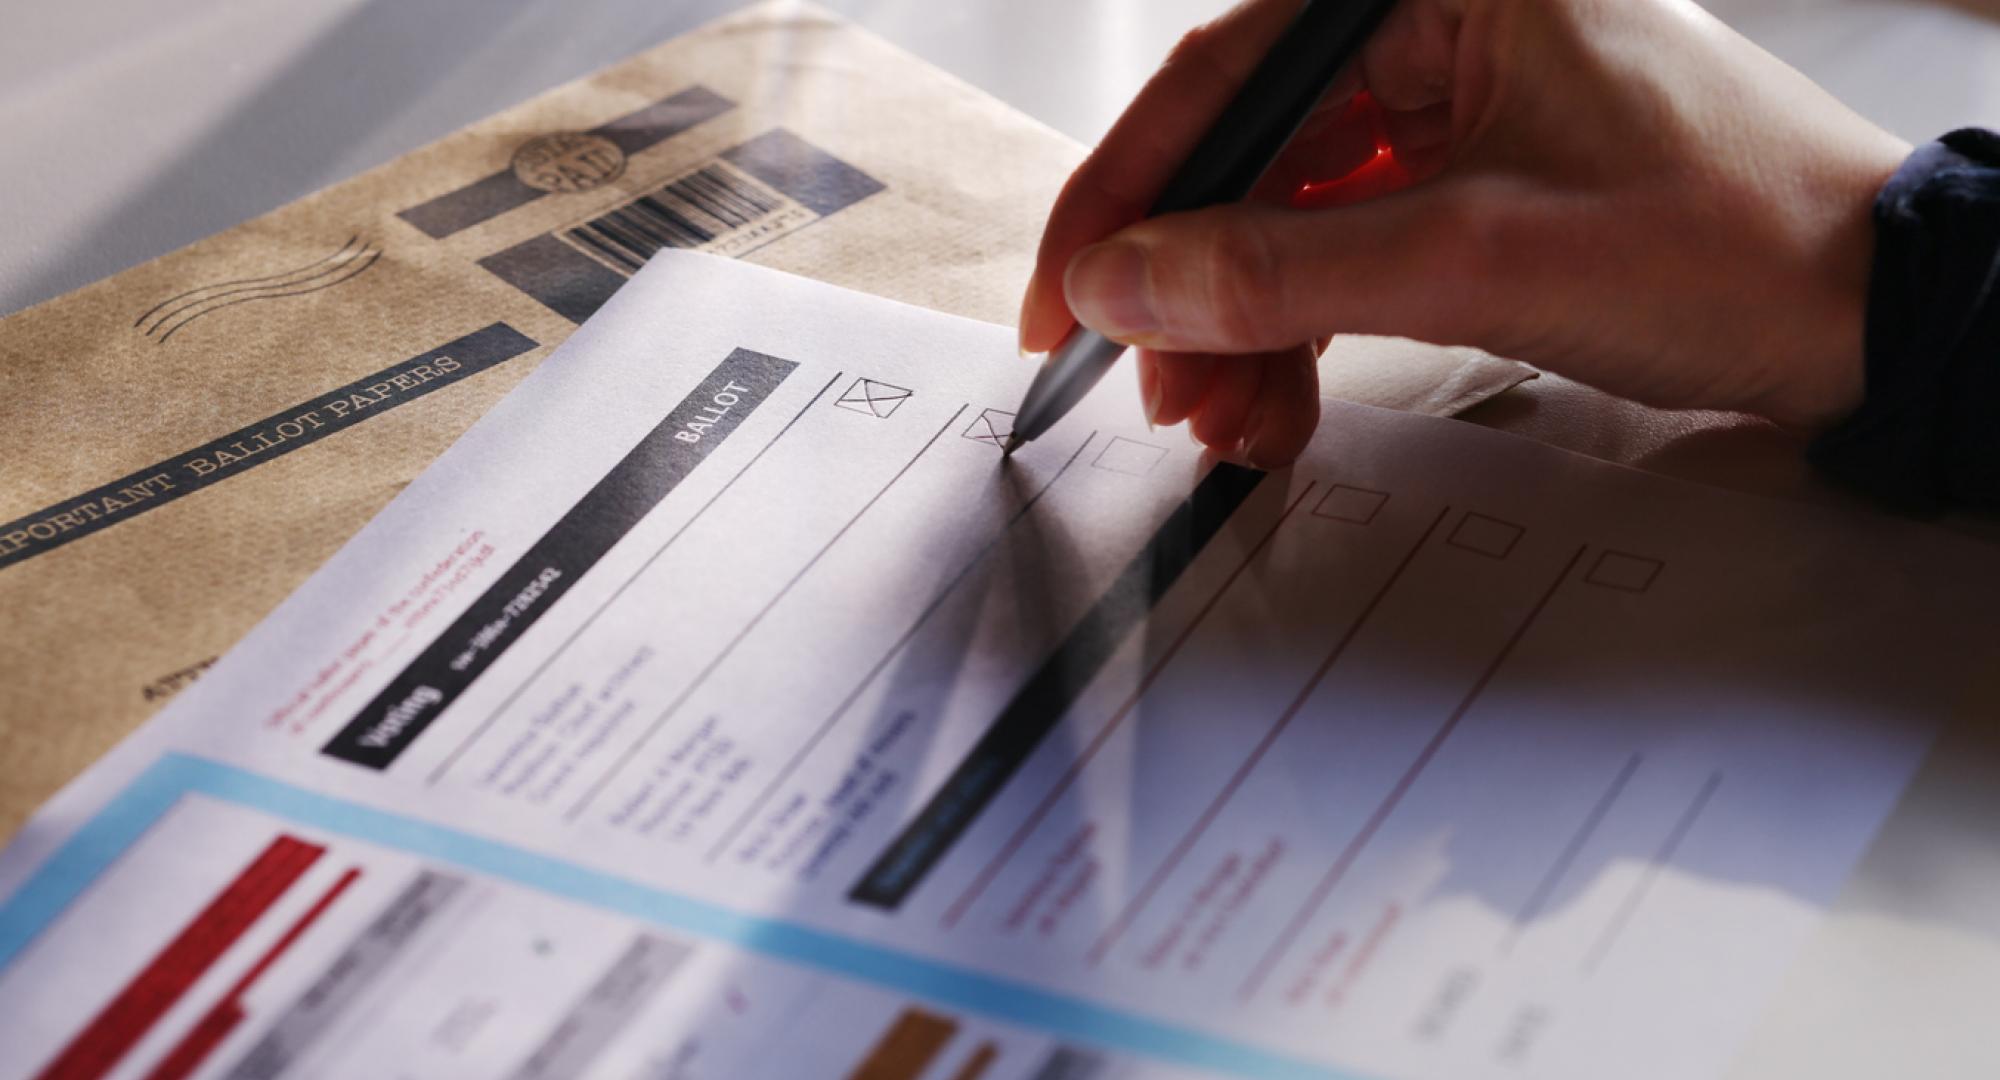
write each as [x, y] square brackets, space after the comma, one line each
[1478, 236]
[1245, 286]
[1491, 246]
[1194, 46]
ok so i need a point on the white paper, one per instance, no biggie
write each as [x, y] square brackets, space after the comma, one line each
[740, 709]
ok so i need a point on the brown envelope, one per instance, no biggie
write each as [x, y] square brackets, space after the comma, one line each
[183, 443]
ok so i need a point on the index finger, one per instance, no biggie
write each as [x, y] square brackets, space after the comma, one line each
[1120, 179]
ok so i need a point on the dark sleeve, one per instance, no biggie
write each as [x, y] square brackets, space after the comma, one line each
[1927, 435]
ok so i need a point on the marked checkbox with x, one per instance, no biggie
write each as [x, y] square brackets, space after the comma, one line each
[877, 399]
[990, 426]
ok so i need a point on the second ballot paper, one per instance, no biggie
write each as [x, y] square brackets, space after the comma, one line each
[723, 704]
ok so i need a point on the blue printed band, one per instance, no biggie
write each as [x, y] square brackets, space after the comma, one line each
[115, 829]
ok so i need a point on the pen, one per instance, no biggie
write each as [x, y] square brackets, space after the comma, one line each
[1223, 168]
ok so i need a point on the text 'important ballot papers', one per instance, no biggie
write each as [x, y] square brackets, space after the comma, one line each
[722, 704]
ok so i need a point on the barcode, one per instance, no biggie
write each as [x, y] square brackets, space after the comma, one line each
[694, 210]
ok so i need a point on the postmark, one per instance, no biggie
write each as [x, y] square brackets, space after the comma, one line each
[568, 161]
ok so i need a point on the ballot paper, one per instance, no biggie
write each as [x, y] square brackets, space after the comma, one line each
[722, 704]
[182, 444]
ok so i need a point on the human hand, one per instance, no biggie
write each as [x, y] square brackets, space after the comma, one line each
[1625, 192]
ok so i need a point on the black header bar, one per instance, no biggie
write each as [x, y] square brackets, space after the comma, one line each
[1054, 687]
[645, 476]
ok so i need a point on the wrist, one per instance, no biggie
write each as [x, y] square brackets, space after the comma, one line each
[1825, 378]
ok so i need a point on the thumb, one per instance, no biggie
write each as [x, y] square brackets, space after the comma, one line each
[1250, 277]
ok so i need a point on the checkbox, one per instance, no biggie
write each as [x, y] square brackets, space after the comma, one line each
[1129, 456]
[1354, 505]
[990, 426]
[1624, 571]
[870, 398]
[1487, 536]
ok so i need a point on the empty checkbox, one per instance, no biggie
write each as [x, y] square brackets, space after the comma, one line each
[1354, 505]
[1624, 571]
[1487, 536]
[1130, 457]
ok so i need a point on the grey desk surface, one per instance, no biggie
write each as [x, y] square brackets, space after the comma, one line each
[133, 127]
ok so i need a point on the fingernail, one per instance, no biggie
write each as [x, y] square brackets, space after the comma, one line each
[1232, 454]
[1149, 395]
[1250, 446]
[1021, 326]
[1257, 450]
[1259, 457]
[1106, 288]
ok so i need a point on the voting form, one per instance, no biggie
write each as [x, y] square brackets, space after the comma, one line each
[723, 705]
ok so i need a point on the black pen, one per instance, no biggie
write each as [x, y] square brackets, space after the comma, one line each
[1224, 167]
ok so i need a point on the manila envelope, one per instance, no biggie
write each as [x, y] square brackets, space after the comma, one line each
[183, 443]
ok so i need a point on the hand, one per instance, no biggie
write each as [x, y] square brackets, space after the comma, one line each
[1624, 192]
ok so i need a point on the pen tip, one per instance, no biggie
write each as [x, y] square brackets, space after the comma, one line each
[1014, 442]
